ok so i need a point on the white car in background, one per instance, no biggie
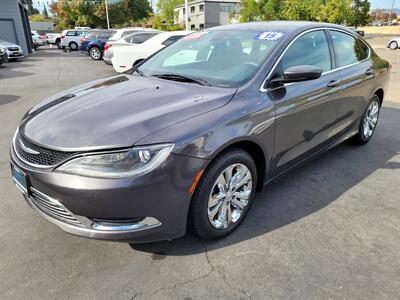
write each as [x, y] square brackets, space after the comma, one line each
[37, 39]
[120, 33]
[394, 44]
[72, 38]
[54, 38]
[125, 57]
[134, 38]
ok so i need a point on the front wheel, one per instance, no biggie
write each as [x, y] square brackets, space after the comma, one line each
[368, 122]
[223, 195]
[393, 45]
[95, 53]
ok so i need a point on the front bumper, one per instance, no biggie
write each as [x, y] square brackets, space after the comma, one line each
[146, 208]
[14, 54]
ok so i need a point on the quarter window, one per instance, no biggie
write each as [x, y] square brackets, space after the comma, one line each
[348, 51]
[310, 49]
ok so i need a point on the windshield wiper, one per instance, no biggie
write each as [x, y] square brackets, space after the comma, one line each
[182, 78]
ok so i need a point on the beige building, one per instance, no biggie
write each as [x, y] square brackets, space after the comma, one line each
[207, 13]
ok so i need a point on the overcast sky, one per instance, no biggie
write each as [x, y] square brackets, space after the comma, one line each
[384, 3]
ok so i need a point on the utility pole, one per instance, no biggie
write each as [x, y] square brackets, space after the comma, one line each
[108, 20]
[187, 15]
[390, 13]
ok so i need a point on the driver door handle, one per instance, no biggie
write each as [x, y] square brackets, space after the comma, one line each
[369, 72]
[333, 83]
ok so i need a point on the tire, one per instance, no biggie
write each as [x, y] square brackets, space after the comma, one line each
[58, 44]
[73, 46]
[95, 53]
[206, 215]
[393, 45]
[368, 122]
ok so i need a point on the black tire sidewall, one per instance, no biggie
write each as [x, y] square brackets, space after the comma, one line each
[199, 221]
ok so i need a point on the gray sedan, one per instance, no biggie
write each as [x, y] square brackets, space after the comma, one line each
[186, 137]
[13, 51]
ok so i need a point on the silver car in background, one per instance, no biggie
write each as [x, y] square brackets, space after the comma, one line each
[133, 38]
[13, 51]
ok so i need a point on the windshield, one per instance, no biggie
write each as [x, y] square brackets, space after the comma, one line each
[220, 58]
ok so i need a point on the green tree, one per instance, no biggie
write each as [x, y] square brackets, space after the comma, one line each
[336, 11]
[250, 11]
[166, 10]
[37, 18]
[359, 13]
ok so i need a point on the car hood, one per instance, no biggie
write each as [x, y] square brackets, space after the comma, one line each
[117, 112]
[8, 44]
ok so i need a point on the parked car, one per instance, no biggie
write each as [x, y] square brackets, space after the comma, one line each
[187, 137]
[120, 33]
[37, 39]
[394, 44]
[54, 39]
[93, 43]
[133, 38]
[72, 38]
[3, 55]
[360, 32]
[124, 57]
[13, 51]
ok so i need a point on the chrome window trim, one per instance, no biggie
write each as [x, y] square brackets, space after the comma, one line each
[354, 35]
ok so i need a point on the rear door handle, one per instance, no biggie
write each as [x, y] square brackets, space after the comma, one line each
[333, 83]
[370, 72]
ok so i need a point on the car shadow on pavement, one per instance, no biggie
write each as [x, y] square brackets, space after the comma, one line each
[4, 99]
[303, 191]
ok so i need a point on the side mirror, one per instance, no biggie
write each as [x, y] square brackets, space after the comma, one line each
[298, 73]
[137, 62]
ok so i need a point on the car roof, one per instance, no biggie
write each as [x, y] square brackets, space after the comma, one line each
[285, 26]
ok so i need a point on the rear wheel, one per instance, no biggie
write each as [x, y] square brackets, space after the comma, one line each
[223, 195]
[73, 46]
[393, 45]
[368, 122]
[95, 53]
[58, 44]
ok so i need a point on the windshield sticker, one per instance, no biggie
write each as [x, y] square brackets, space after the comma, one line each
[269, 35]
[195, 36]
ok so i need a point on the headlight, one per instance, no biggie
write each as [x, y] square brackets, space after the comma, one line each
[138, 160]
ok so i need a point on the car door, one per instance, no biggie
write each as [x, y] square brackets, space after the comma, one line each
[306, 111]
[355, 65]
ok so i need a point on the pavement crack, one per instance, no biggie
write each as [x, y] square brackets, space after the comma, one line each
[214, 269]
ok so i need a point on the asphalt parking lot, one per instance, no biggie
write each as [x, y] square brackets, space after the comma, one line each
[328, 230]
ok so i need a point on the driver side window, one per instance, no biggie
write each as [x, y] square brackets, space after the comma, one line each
[310, 49]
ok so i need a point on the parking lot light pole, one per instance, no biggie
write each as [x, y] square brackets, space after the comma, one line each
[108, 20]
[187, 15]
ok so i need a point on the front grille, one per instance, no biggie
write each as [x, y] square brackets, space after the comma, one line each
[53, 208]
[45, 157]
[13, 48]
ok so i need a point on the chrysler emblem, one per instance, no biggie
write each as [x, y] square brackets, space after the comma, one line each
[27, 149]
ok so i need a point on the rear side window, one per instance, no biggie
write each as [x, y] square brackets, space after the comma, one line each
[309, 49]
[105, 34]
[364, 51]
[172, 39]
[125, 33]
[92, 35]
[71, 33]
[139, 38]
[348, 51]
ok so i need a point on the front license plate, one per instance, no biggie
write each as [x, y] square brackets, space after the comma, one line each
[19, 178]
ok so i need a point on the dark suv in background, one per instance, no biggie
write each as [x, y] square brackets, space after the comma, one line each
[94, 42]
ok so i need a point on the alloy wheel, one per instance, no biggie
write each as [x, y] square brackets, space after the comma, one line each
[95, 53]
[393, 45]
[371, 119]
[229, 196]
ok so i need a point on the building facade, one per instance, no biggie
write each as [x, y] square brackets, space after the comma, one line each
[14, 24]
[207, 13]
